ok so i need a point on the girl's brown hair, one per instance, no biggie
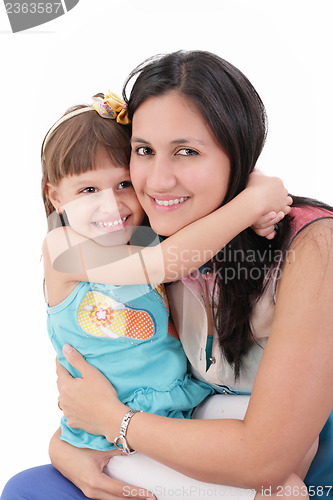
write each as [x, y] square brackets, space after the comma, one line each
[76, 144]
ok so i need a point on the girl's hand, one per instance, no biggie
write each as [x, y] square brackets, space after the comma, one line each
[265, 225]
[84, 468]
[268, 193]
[89, 403]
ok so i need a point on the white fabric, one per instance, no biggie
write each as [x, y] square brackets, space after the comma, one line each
[166, 483]
[222, 406]
[189, 315]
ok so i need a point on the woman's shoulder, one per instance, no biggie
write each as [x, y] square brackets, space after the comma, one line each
[303, 216]
[310, 245]
[309, 259]
[316, 236]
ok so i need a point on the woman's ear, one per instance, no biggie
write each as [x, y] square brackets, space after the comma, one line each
[52, 193]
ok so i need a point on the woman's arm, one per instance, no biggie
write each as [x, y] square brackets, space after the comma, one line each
[291, 399]
[172, 259]
[84, 468]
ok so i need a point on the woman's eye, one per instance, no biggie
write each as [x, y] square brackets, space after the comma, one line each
[89, 190]
[124, 185]
[187, 152]
[144, 151]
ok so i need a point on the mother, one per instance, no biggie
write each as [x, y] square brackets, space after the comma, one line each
[272, 337]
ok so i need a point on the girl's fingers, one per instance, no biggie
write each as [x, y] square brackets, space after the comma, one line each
[271, 235]
[279, 216]
[264, 233]
[267, 219]
[268, 222]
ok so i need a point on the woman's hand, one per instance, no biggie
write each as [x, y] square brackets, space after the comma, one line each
[84, 468]
[89, 403]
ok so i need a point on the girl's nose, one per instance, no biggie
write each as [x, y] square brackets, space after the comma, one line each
[108, 201]
[161, 176]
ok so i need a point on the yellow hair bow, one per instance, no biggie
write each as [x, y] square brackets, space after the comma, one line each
[112, 106]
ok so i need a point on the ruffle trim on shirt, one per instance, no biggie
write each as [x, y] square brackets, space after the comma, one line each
[178, 400]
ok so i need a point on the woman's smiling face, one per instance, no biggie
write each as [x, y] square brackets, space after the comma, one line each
[178, 170]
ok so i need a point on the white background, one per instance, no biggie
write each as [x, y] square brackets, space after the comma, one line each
[283, 46]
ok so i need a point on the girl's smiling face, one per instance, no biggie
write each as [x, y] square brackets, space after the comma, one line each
[100, 204]
[178, 170]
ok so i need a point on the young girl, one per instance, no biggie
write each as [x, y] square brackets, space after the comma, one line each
[123, 328]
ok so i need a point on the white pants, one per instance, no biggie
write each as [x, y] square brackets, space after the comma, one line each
[166, 483]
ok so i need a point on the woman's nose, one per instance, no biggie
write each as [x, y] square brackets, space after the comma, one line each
[161, 176]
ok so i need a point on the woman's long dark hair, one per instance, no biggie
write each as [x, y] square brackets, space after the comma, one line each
[232, 108]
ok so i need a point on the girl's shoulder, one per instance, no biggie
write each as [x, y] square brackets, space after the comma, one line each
[57, 244]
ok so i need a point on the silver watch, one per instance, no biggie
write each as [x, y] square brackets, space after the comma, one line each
[120, 441]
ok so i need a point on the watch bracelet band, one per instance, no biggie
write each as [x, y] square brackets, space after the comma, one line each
[120, 441]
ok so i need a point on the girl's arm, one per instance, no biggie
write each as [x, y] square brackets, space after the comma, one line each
[291, 398]
[181, 253]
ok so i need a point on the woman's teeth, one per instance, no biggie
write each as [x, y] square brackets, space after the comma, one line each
[111, 224]
[176, 201]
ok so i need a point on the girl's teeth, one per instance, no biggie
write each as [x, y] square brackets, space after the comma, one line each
[111, 224]
[166, 203]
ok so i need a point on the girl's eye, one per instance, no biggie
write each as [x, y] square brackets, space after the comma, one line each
[187, 152]
[124, 185]
[89, 190]
[144, 151]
